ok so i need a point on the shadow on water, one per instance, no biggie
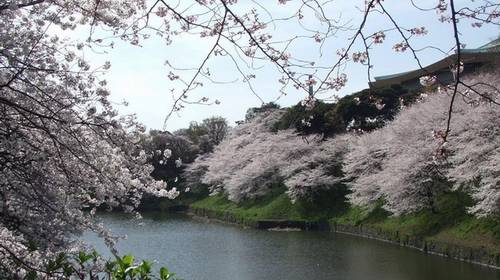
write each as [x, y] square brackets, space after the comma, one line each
[199, 249]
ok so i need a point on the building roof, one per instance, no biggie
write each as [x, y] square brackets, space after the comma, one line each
[493, 46]
[479, 55]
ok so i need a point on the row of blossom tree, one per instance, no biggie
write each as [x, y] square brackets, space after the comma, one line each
[400, 164]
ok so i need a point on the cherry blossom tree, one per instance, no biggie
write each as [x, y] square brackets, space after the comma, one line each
[475, 145]
[254, 159]
[242, 165]
[362, 167]
[402, 164]
[64, 152]
[318, 170]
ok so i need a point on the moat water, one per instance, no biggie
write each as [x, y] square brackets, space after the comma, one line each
[198, 249]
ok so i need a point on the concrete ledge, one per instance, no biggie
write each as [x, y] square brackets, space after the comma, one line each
[303, 225]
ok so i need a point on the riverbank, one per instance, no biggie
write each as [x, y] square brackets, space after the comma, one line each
[448, 232]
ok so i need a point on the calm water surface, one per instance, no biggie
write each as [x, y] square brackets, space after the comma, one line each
[197, 249]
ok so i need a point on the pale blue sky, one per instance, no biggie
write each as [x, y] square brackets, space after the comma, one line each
[139, 76]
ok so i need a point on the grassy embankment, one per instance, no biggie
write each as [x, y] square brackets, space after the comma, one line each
[449, 223]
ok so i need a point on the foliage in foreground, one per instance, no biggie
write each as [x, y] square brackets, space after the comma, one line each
[90, 266]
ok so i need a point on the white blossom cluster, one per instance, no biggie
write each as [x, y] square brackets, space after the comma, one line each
[64, 152]
[475, 145]
[398, 163]
[253, 159]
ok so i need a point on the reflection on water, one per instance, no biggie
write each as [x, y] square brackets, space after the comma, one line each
[197, 249]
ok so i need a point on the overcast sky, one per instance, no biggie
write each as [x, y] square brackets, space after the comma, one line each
[139, 74]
